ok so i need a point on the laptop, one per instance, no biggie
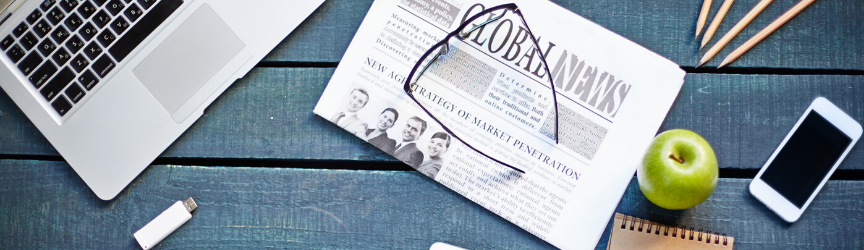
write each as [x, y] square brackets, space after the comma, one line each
[112, 83]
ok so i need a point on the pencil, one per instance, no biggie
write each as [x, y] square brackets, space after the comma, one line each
[765, 32]
[734, 31]
[703, 15]
[716, 22]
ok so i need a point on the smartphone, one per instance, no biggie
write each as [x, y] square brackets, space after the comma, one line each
[809, 154]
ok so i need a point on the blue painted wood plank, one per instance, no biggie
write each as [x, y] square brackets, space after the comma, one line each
[745, 117]
[323, 36]
[268, 115]
[45, 205]
[826, 35]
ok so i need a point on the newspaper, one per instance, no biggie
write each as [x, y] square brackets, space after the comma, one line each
[612, 97]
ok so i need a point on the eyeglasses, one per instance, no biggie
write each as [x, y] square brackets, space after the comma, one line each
[450, 69]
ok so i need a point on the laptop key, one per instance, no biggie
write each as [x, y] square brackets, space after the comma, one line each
[88, 31]
[7, 42]
[16, 53]
[73, 22]
[56, 84]
[42, 28]
[119, 25]
[69, 5]
[88, 80]
[47, 47]
[41, 75]
[86, 10]
[92, 50]
[115, 7]
[29, 40]
[74, 93]
[103, 66]
[56, 15]
[74, 44]
[62, 106]
[147, 3]
[61, 56]
[101, 19]
[34, 16]
[99, 2]
[79, 63]
[47, 4]
[29, 64]
[133, 12]
[106, 38]
[60, 34]
[143, 28]
[20, 29]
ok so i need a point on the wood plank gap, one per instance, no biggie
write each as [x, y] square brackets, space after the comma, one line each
[291, 64]
[735, 173]
[839, 174]
[31, 157]
[769, 71]
[285, 163]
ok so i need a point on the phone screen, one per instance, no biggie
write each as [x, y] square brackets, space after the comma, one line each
[806, 158]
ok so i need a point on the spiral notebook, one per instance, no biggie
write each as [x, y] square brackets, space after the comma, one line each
[630, 232]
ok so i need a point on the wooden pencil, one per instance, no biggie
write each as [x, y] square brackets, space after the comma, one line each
[703, 15]
[734, 31]
[716, 22]
[765, 32]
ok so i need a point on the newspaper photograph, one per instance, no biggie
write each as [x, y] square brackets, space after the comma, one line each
[491, 92]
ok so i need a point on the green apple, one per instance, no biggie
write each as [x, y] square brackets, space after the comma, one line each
[679, 170]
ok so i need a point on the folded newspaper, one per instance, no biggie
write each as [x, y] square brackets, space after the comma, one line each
[612, 97]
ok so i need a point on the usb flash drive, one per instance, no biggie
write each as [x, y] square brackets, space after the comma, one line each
[168, 221]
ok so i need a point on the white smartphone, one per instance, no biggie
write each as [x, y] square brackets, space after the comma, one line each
[809, 154]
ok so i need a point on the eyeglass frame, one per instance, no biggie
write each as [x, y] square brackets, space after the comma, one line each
[462, 36]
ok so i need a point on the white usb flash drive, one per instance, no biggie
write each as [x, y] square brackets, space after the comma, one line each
[168, 221]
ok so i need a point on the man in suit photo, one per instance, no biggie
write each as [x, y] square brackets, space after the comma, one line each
[348, 119]
[378, 136]
[406, 150]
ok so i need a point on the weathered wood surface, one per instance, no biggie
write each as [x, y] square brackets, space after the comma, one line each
[826, 35]
[45, 205]
[268, 115]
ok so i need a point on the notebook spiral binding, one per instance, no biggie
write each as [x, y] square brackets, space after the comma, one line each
[697, 235]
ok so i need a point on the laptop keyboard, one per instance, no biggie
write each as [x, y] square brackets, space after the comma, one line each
[65, 47]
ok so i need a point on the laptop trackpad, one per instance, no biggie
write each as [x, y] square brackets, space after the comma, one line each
[187, 59]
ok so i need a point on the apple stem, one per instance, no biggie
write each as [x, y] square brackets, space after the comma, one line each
[679, 160]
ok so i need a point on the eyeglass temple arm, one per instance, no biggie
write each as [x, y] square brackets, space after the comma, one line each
[464, 35]
[444, 50]
[543, 60]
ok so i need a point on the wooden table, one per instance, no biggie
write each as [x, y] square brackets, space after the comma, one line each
[267, 173]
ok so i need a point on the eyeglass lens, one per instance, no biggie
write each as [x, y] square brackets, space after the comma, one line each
[493, 61]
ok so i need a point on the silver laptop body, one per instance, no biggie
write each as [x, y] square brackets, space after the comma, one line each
[112, 83]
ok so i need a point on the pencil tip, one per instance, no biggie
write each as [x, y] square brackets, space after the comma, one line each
[705, 40]
[722, 64]
[703, 60]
